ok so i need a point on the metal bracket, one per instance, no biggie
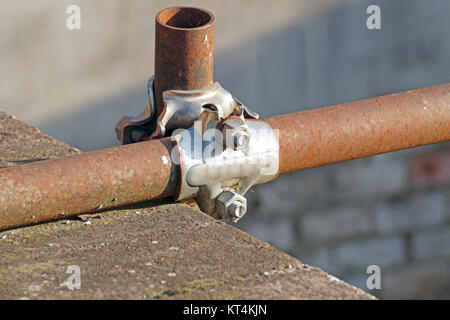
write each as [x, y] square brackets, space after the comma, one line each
[129, 129]
[221, 160]
[181, 108]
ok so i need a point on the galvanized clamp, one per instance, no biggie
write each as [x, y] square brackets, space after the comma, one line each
[221, 160]
[181, 108]
[222, 149]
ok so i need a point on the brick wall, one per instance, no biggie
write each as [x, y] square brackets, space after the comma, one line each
[347, 216]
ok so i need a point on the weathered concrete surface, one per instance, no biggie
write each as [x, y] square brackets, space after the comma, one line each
[148, 251]
[21, 143]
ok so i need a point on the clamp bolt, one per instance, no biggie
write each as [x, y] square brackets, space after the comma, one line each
[241, 139]
[238, 132]
[231, 205]
[236, 210]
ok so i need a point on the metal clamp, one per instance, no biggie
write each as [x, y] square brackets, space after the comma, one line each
[181, 108]
[221, 160]
[222, 150]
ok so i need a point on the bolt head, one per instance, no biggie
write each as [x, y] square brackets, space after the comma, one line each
[231, 205]
[240, 138]
[236, 134]
[236, 210]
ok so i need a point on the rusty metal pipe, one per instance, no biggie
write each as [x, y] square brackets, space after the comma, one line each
[86, 182]
[363, 128]
[184, 50]
[132, 173]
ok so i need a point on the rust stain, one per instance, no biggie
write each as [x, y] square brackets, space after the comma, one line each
[363, 128]
[184, 50]
[86, 182]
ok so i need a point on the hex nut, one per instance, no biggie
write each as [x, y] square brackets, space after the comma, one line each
[236, 134]
[231, 205]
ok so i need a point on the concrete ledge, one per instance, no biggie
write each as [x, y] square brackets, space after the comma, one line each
[148, 251]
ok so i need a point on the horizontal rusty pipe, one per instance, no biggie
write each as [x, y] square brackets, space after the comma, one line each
[184, 50]
[86, 182]
[363, 128]
[131, 173]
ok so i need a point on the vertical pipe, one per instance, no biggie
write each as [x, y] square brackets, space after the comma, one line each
[184, 50]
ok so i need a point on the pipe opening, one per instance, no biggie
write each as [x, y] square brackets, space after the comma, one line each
[184, 17]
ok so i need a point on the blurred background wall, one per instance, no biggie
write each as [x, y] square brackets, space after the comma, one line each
[390, 210]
